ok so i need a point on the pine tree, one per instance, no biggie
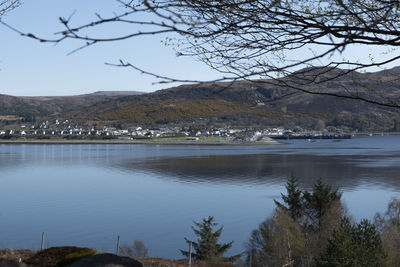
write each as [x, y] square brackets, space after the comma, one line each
[370, 250]
[207, 247]
[341, 248]
[293, 200]
[320, 201]
[354, 245]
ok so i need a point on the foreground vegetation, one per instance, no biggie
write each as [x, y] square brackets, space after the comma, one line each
[314, 229]
[306, 228]
[85, 257]
[310, 228]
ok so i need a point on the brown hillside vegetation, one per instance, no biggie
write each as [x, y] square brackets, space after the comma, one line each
[259, 103]
[243, 103]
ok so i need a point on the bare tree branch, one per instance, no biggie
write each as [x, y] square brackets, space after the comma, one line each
[8, 5]
[246, 39]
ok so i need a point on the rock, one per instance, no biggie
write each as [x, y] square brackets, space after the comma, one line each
[106, 260]
[58, 255]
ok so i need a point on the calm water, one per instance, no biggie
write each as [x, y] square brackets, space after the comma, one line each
[87, 195]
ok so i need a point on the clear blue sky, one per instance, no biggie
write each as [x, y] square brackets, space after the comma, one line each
[32, 68]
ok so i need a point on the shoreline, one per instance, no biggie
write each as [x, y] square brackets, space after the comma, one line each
[138, 142]
[158, 141]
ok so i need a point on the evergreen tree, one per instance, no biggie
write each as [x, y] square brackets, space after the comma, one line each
[293, 200]
[370, 250]
[340, 250]
[319, 202]
[354, 245]
[207, 247]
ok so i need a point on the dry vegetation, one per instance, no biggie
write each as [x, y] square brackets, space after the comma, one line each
[158, 262]
[16, 254]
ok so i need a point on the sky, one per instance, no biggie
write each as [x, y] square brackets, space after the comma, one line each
[31, 68]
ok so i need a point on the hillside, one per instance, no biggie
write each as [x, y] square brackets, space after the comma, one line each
[53, 105]
[244, 103]
[257, 103]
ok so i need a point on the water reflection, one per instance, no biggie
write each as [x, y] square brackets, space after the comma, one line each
[88, 194]
[346, 172]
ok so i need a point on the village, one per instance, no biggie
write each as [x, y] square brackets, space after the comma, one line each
[69, 130]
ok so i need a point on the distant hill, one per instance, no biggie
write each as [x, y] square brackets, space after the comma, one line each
[243, 103]
[258, 103]
[54, 105]
[117, 93]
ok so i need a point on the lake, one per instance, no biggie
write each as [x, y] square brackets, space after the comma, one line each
[87, 195]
